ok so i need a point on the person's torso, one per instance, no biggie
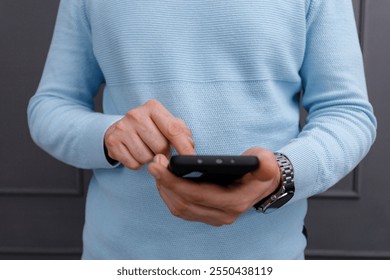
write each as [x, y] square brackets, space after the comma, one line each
[230, 70]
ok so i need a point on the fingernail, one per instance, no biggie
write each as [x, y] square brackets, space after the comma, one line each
[191, 141]
[157, 159]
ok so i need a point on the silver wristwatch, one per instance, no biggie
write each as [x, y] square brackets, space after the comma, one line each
[285, 190]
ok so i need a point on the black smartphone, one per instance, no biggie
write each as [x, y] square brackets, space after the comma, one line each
[222, 170]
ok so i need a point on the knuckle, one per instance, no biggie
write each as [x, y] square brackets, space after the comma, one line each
[130, 113]
[161, 147]
[111, 154]
[142, 157]
[176, 127]
[135, 115]
[187, 130]
[152, 103]
[146, 158]
[229, 220]
[239, 208]
[132, 165]
[175, 212]
[217, 223]
[111, 140]
[179, 209]
[120, 125]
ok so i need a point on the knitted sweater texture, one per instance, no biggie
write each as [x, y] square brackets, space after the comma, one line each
[233, 71]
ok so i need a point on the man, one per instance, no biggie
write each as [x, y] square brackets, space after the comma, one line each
[204, 77]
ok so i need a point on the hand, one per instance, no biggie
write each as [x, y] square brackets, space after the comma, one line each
[144, 132]
[213, 204]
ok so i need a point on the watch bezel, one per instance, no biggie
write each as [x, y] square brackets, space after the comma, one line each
[275, 201]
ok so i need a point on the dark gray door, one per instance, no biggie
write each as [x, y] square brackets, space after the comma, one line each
[42, 200]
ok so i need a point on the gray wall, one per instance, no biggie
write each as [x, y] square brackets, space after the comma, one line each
[42, 200]
[352, 220]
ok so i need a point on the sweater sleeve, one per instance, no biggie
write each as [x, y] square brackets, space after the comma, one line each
[340, 126]
[60, 115]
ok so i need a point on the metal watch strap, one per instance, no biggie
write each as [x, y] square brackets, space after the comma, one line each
[285, 190]
[286, 170]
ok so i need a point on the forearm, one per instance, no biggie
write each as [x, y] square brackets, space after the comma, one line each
[340, 126]
[328, 148]
[61, 117]
[70, 132]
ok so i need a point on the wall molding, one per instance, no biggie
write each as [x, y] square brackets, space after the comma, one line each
[309, 254]
[347, 254]
[353, 193]
[77, 190]
[26, 191]
[17, 250]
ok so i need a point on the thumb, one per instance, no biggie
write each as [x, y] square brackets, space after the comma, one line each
[159, 162]
[268, 168]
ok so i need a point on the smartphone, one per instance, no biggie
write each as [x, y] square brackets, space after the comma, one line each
[222, 170]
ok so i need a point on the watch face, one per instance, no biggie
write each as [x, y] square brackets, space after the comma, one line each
[278, 202]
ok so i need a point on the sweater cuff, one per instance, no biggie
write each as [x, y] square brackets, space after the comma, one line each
[95, 141]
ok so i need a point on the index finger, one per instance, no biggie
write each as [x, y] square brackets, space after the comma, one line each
[174, 129]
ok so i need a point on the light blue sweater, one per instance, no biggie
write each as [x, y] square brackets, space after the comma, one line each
[233, 71]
